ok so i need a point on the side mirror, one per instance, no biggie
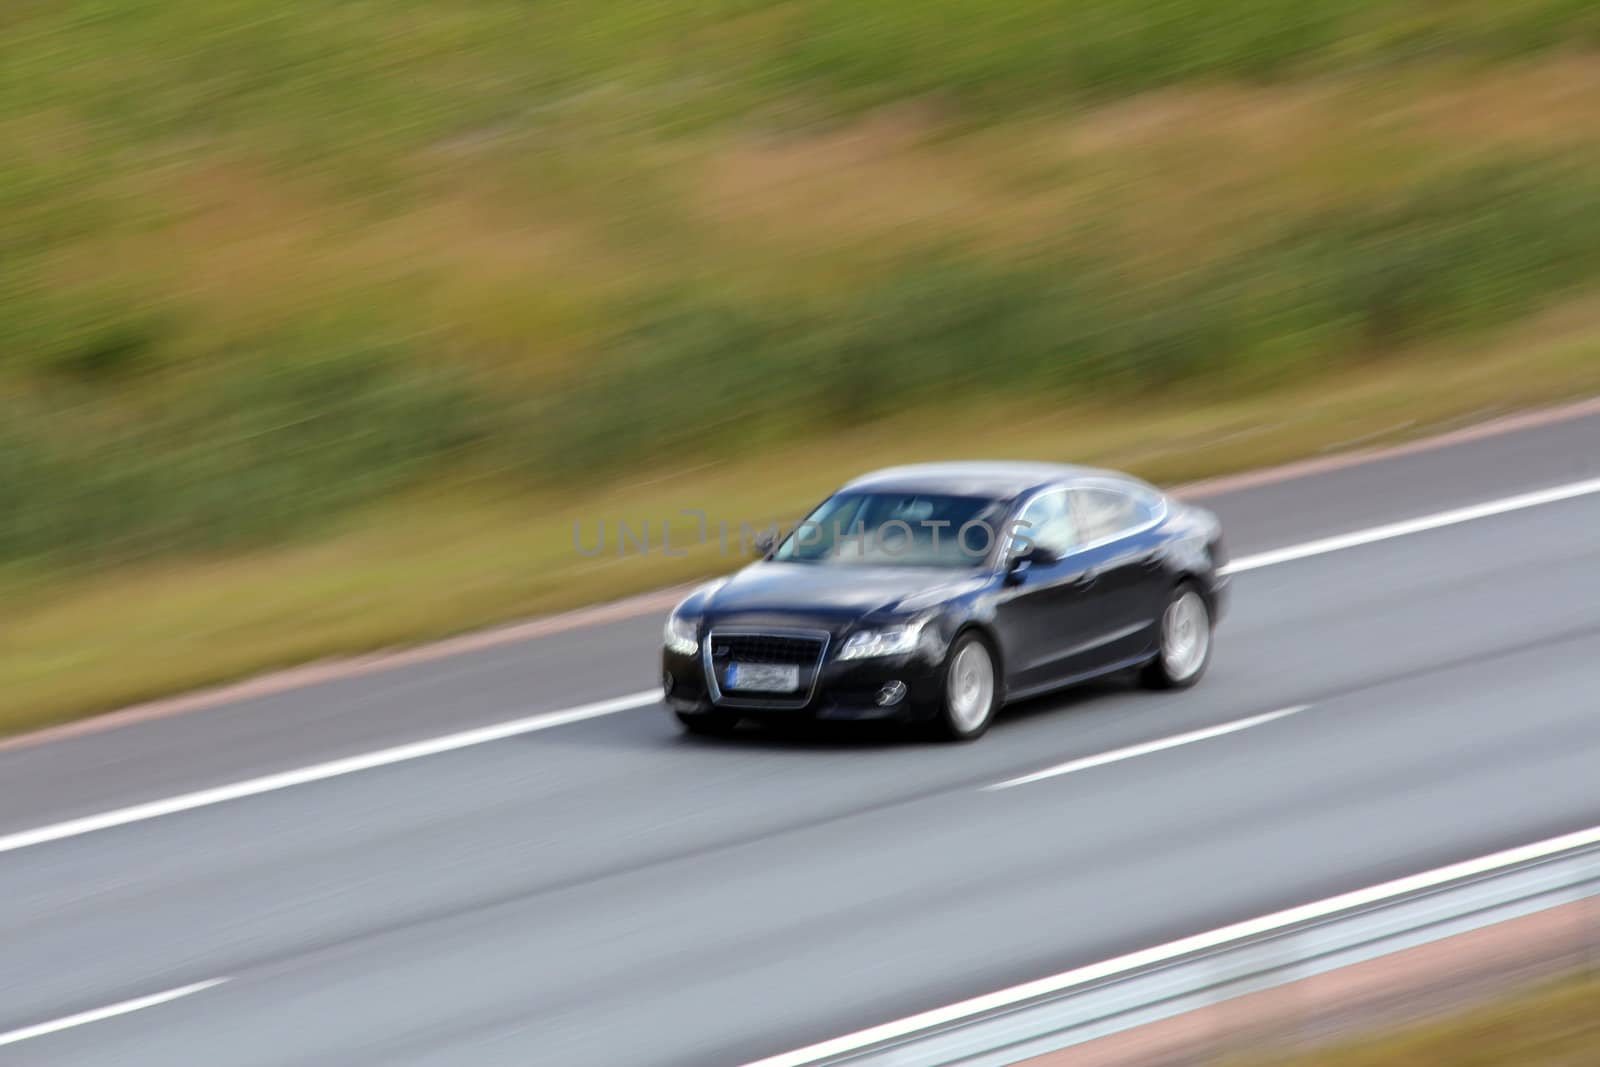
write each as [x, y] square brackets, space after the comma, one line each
[1039, 555]
[765, 543]
[1019, 563]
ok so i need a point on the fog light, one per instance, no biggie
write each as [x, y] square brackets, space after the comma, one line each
[891, 693]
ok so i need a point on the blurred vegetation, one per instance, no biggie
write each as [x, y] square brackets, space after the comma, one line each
[269, 270]
[1554, 1025]
[1470, 249]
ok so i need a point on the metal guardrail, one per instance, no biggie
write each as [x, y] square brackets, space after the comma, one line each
[1081, 1005]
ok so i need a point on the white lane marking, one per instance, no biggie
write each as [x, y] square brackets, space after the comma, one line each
[127, 1007]
[1117, 755]
[318, 772]
[418, 749]
[1411, 526]
[966, 1009]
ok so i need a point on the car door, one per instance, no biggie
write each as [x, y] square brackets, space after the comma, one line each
[1049, 613]
[1122, 561]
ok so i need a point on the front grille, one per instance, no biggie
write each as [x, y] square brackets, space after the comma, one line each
[767, 648]
[804, 649]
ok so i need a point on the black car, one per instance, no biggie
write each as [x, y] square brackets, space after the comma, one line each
[936, 593]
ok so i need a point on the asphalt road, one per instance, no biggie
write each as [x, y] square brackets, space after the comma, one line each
[607, 892]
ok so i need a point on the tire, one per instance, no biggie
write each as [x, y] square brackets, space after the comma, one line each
[971, 692]
[709, 723]
[1183, 650]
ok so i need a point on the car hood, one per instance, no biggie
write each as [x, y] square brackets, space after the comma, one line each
[836, 593]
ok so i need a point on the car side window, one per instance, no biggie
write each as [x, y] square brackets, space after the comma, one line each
[1102, 512]
[1050, 525]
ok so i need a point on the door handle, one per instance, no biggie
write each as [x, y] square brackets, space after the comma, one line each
[1086, 579]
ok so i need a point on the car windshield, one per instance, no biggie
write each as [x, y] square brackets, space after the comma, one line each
[897, 529]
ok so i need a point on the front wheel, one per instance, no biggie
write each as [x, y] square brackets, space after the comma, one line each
[971, 690]
[1184, 651]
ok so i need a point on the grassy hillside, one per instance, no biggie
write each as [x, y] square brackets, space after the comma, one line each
[320, 323]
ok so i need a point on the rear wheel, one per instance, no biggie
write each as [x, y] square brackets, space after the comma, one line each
[709, 723]
[971, 690]
[1184, 651]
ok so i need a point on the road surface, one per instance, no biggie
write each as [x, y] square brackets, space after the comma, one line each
[606, 892]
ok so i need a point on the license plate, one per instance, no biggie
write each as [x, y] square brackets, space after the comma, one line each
[762, 677]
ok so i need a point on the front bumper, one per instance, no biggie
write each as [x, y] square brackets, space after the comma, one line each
[845, 690]
[1220, 595]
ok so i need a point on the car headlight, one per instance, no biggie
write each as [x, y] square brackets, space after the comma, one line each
[888, 641]
[681, 635]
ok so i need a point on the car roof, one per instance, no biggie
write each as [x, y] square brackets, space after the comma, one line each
[999, 480]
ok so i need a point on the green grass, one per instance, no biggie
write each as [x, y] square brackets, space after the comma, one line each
[280, 280]
[1006, 55]
[295, 428]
